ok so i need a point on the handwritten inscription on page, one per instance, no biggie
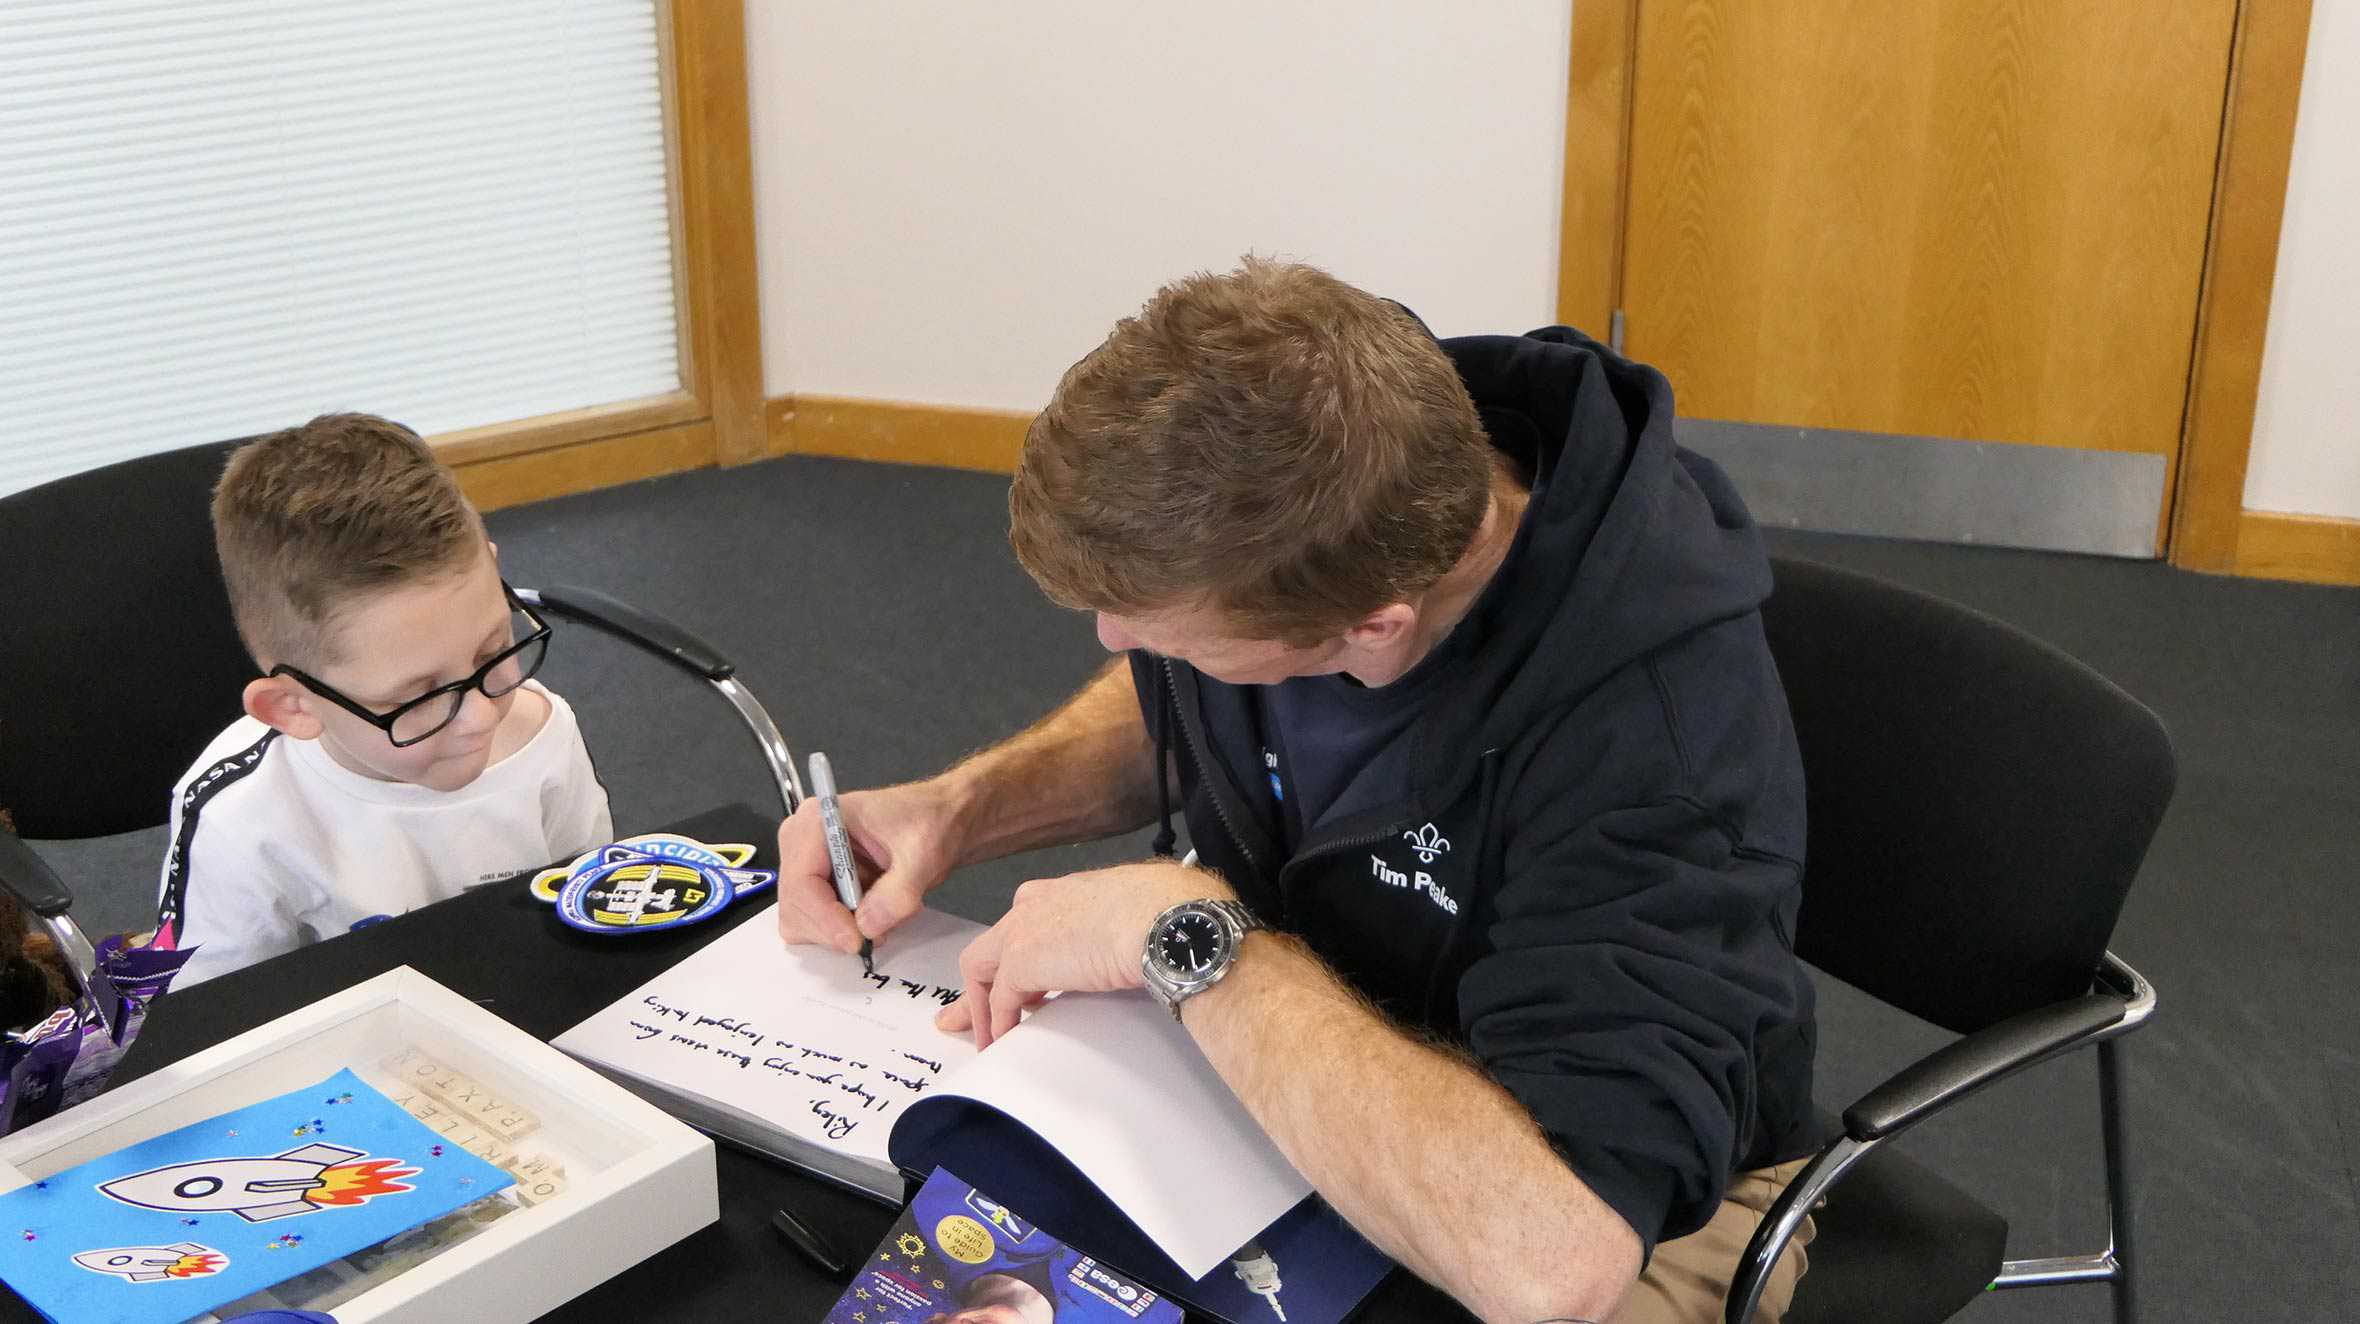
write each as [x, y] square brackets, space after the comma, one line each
[797, 1045]
[868, 1089]
[797, 1038]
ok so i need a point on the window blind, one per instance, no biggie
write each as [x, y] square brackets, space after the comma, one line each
[221, 217]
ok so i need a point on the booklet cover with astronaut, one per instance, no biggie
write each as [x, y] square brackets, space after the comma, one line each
[173, 1226]
[958, 1256]
[1307, 1266]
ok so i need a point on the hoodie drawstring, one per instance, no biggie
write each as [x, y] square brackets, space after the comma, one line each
[1166, 837]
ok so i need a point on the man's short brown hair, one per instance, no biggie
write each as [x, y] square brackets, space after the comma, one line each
[307, 519]
[1271, 442]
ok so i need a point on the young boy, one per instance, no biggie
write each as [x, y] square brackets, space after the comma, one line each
[396, 750]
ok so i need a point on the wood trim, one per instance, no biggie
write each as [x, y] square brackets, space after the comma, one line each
[584, 466]
[778, 422]
[721, 284]
[1598, 92]
[2241, 263]
[524, 436]
[950, 436]
[2317, 549]
[720, 417]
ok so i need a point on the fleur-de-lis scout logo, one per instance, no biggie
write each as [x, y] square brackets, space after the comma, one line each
[1427, 842]
[999, 1218]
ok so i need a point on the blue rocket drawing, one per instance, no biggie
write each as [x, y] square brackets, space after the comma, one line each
[146, 1232]
[299, 1181]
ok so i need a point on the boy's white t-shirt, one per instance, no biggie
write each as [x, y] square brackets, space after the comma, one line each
[274, 844]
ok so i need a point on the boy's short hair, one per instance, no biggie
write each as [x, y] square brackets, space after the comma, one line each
[1272, 442]
[309, 518]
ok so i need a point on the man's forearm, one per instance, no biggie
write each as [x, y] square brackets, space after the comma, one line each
[1085, 771]
[1414, 1146]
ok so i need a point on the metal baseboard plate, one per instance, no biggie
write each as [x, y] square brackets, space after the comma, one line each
[2047, 498]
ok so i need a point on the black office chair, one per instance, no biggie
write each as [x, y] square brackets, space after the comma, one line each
[1979, 804]
[118, 623]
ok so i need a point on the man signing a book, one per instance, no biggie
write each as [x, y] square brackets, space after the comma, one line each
[1451, 662]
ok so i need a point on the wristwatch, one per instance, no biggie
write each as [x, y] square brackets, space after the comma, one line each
[1192, 945]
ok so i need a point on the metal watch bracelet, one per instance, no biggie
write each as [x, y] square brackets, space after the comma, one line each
[1238, 920]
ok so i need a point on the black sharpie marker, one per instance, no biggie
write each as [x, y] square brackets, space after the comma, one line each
[823, 785]
[809, 1243]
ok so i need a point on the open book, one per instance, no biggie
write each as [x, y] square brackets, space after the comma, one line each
[1098, 1112]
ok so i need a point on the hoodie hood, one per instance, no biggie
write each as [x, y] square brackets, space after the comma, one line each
[1640, 541]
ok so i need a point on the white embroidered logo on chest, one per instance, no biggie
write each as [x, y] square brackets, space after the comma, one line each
[1428, 843]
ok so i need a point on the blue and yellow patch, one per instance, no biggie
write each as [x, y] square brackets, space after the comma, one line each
[656, 881]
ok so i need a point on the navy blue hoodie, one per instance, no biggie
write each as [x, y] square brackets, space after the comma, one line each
[1590, 874]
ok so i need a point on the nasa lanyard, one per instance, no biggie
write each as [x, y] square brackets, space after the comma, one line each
[648, 883]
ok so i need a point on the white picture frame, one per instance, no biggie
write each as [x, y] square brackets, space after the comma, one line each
[636, 1179]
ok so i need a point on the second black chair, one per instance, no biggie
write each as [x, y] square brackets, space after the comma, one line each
[1979, 805]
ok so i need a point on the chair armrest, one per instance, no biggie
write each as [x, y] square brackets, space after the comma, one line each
[27, 877]
[1934, 1082]
[665, 638]
[1965, 1065]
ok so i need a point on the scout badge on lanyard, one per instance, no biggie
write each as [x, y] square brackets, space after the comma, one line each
[657, 881]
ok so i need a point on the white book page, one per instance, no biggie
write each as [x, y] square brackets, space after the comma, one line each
[801, 1040]
[796, 1037]
[1117, 1085]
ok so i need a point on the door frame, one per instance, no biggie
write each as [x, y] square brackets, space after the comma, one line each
[1598, 91]
[2206, 524]
[2210, 527]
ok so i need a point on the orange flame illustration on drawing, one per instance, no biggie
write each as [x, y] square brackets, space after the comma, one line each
[194, 1266]
[355, 1183]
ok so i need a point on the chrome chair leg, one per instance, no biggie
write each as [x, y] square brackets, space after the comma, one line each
[2118, 1178]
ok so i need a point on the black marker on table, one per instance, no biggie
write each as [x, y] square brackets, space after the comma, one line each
[808, 1243]
[823, 786]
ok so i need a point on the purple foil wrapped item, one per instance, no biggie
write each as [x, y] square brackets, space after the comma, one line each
[69, 1056]
[137, 976]
[37, 1061]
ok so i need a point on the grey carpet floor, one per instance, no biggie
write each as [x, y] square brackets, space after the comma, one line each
[878, 613]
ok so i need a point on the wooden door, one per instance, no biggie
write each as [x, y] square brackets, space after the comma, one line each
[1953, 219]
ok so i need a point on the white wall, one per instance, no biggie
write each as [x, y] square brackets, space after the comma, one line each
[955, 202]
[2306, 426]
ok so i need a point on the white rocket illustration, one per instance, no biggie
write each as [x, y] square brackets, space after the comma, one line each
[148, 1264]
[1254, 1267]
[255, 1189]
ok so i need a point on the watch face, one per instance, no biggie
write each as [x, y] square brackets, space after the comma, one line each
[1190, 944]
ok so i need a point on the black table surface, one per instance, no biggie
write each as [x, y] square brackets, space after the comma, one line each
[499, 946]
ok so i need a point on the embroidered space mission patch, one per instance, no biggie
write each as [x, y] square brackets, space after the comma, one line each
[642, 884]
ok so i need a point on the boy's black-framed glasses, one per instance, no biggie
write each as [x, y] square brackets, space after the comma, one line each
[420, 718]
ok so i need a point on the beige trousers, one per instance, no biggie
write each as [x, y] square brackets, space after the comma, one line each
[1687, 1282]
